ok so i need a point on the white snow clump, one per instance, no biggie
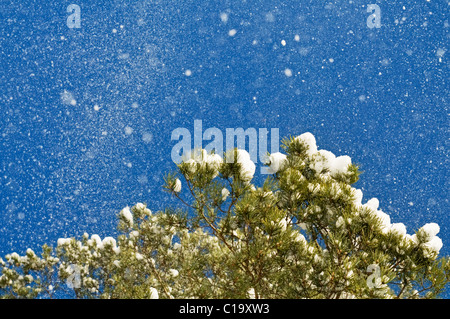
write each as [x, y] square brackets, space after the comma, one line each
[127, 215]
[276, 161]
[247, 166]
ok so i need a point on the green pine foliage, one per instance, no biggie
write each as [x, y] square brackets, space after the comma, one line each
[304, 233]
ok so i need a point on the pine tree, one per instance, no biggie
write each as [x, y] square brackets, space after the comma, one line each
[303, 234]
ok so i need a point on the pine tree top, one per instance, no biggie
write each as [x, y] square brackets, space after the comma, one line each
[304, 233]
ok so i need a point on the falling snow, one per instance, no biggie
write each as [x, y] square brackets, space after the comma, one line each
[87, 114]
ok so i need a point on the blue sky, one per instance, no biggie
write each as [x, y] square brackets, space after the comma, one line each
[87, 113]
